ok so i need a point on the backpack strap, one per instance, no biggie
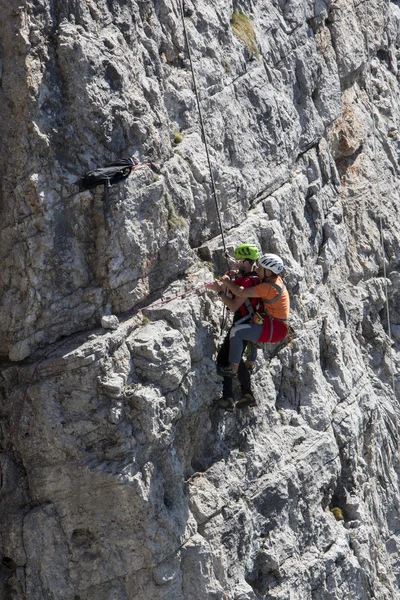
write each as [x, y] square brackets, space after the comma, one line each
[271, 323]
[247, 303]
[280, 291]
[249, 306]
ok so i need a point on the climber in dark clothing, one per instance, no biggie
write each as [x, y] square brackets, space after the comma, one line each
[246, 255]
[227, 401]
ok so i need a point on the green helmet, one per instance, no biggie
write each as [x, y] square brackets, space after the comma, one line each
[247, 252]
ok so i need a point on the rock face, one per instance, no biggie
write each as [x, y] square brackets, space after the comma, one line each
[119, 478]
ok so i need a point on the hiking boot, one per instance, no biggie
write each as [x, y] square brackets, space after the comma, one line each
[226, 371]
[246, 400]
[226, 404]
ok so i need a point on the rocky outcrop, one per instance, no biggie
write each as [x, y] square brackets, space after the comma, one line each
[120, 479]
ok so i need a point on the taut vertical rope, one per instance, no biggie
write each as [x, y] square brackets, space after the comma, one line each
[182, 8]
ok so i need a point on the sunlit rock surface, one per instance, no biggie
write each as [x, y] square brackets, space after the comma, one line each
[120, 479]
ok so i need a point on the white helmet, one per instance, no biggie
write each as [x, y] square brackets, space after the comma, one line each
[272, 262]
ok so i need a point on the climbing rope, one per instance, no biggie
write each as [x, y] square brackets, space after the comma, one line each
[203, 131]
[198, 288]
[370, 98]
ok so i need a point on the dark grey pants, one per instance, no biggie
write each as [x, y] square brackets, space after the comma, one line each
[249, 332]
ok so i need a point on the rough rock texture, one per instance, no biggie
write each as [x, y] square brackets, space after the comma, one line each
[119, 480]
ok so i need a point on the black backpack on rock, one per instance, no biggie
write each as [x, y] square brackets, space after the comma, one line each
[109, 175]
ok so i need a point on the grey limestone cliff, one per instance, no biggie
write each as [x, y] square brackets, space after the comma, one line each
[119, 478]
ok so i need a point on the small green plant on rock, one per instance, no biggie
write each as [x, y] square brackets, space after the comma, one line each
[282, 415]
[178, 222]
[178, 138]
[226, 65]
[337, 513]
[174, 220]
[243, 28]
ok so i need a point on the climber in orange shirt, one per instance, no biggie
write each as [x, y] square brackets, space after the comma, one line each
[270, 319]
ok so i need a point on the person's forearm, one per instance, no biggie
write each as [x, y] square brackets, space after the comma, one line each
[239, 291]
[229, 302]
